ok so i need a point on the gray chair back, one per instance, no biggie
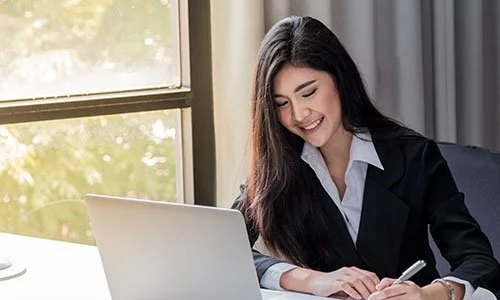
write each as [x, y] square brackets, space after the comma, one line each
[477, 174]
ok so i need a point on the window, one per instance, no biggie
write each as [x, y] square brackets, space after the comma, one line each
[59, 48]
[97, 97]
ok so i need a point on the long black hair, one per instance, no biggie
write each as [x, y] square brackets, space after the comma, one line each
[281, 198]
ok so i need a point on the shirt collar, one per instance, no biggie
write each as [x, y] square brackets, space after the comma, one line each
[362, 149]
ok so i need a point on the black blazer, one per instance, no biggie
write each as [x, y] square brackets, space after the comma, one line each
[414, 193]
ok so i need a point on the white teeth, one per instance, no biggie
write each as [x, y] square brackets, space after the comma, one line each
[313, 125]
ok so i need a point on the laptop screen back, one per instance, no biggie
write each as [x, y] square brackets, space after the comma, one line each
[160, 250]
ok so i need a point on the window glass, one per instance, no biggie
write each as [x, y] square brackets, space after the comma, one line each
[75, 47]
[46, 168]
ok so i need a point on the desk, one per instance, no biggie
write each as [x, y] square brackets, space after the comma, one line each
[60, 270]
[55, 270]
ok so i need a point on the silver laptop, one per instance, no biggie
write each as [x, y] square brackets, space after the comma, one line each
[159, 250]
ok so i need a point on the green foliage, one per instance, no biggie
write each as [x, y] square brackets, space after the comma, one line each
[126, 32]
[46, 168]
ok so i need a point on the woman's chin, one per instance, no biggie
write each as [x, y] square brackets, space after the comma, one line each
[315, 142]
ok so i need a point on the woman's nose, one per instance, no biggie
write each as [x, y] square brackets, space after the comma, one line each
[300, 112]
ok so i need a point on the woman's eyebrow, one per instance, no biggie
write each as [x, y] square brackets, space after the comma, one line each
[303, 85]
[299, 87]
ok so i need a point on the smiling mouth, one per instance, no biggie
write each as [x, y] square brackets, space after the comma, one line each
[313, 125]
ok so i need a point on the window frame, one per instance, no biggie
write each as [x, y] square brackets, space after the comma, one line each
[196, 146]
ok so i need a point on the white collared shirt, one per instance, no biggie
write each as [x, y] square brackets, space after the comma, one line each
[362, 153]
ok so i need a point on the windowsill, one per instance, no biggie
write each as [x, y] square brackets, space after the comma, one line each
[54, 270]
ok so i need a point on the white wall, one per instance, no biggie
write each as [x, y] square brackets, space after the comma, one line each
[234, 49]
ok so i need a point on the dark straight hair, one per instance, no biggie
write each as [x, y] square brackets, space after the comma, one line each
[281, 200]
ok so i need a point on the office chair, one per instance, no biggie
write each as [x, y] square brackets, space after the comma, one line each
[477, 174]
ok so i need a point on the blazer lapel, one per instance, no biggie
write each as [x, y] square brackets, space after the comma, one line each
[344, 246]
[383, 216]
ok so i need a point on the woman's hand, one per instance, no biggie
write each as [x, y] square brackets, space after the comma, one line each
[405, 290]
[357, 283]
[354, 282]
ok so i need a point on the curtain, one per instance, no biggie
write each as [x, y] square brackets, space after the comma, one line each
[432, 64]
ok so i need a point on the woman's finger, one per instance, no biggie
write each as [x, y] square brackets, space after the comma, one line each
[369, 279]
[389, 292]
[356, 283]
[361, 286]
[386, 282]
[372, 276]
[346, 288]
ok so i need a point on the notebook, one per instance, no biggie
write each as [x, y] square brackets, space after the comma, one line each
[161, 250]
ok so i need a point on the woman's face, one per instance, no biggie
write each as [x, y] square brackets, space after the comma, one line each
[308, 104]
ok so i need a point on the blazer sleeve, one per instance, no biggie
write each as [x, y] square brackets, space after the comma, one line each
[262, 262]
[456, 233]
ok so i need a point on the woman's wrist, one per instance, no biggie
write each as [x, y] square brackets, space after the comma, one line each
[298, 280]
[440, 290]
[436, 290]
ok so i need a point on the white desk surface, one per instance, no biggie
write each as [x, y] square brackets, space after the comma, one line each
[60, 270]
[55, 270]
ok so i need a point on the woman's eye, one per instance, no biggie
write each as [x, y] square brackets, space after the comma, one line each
[309, 94]
[281, 104]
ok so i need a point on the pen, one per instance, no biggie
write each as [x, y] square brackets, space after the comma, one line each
[410, 272]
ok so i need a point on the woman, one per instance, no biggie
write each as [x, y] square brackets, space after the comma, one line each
[342, 195]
